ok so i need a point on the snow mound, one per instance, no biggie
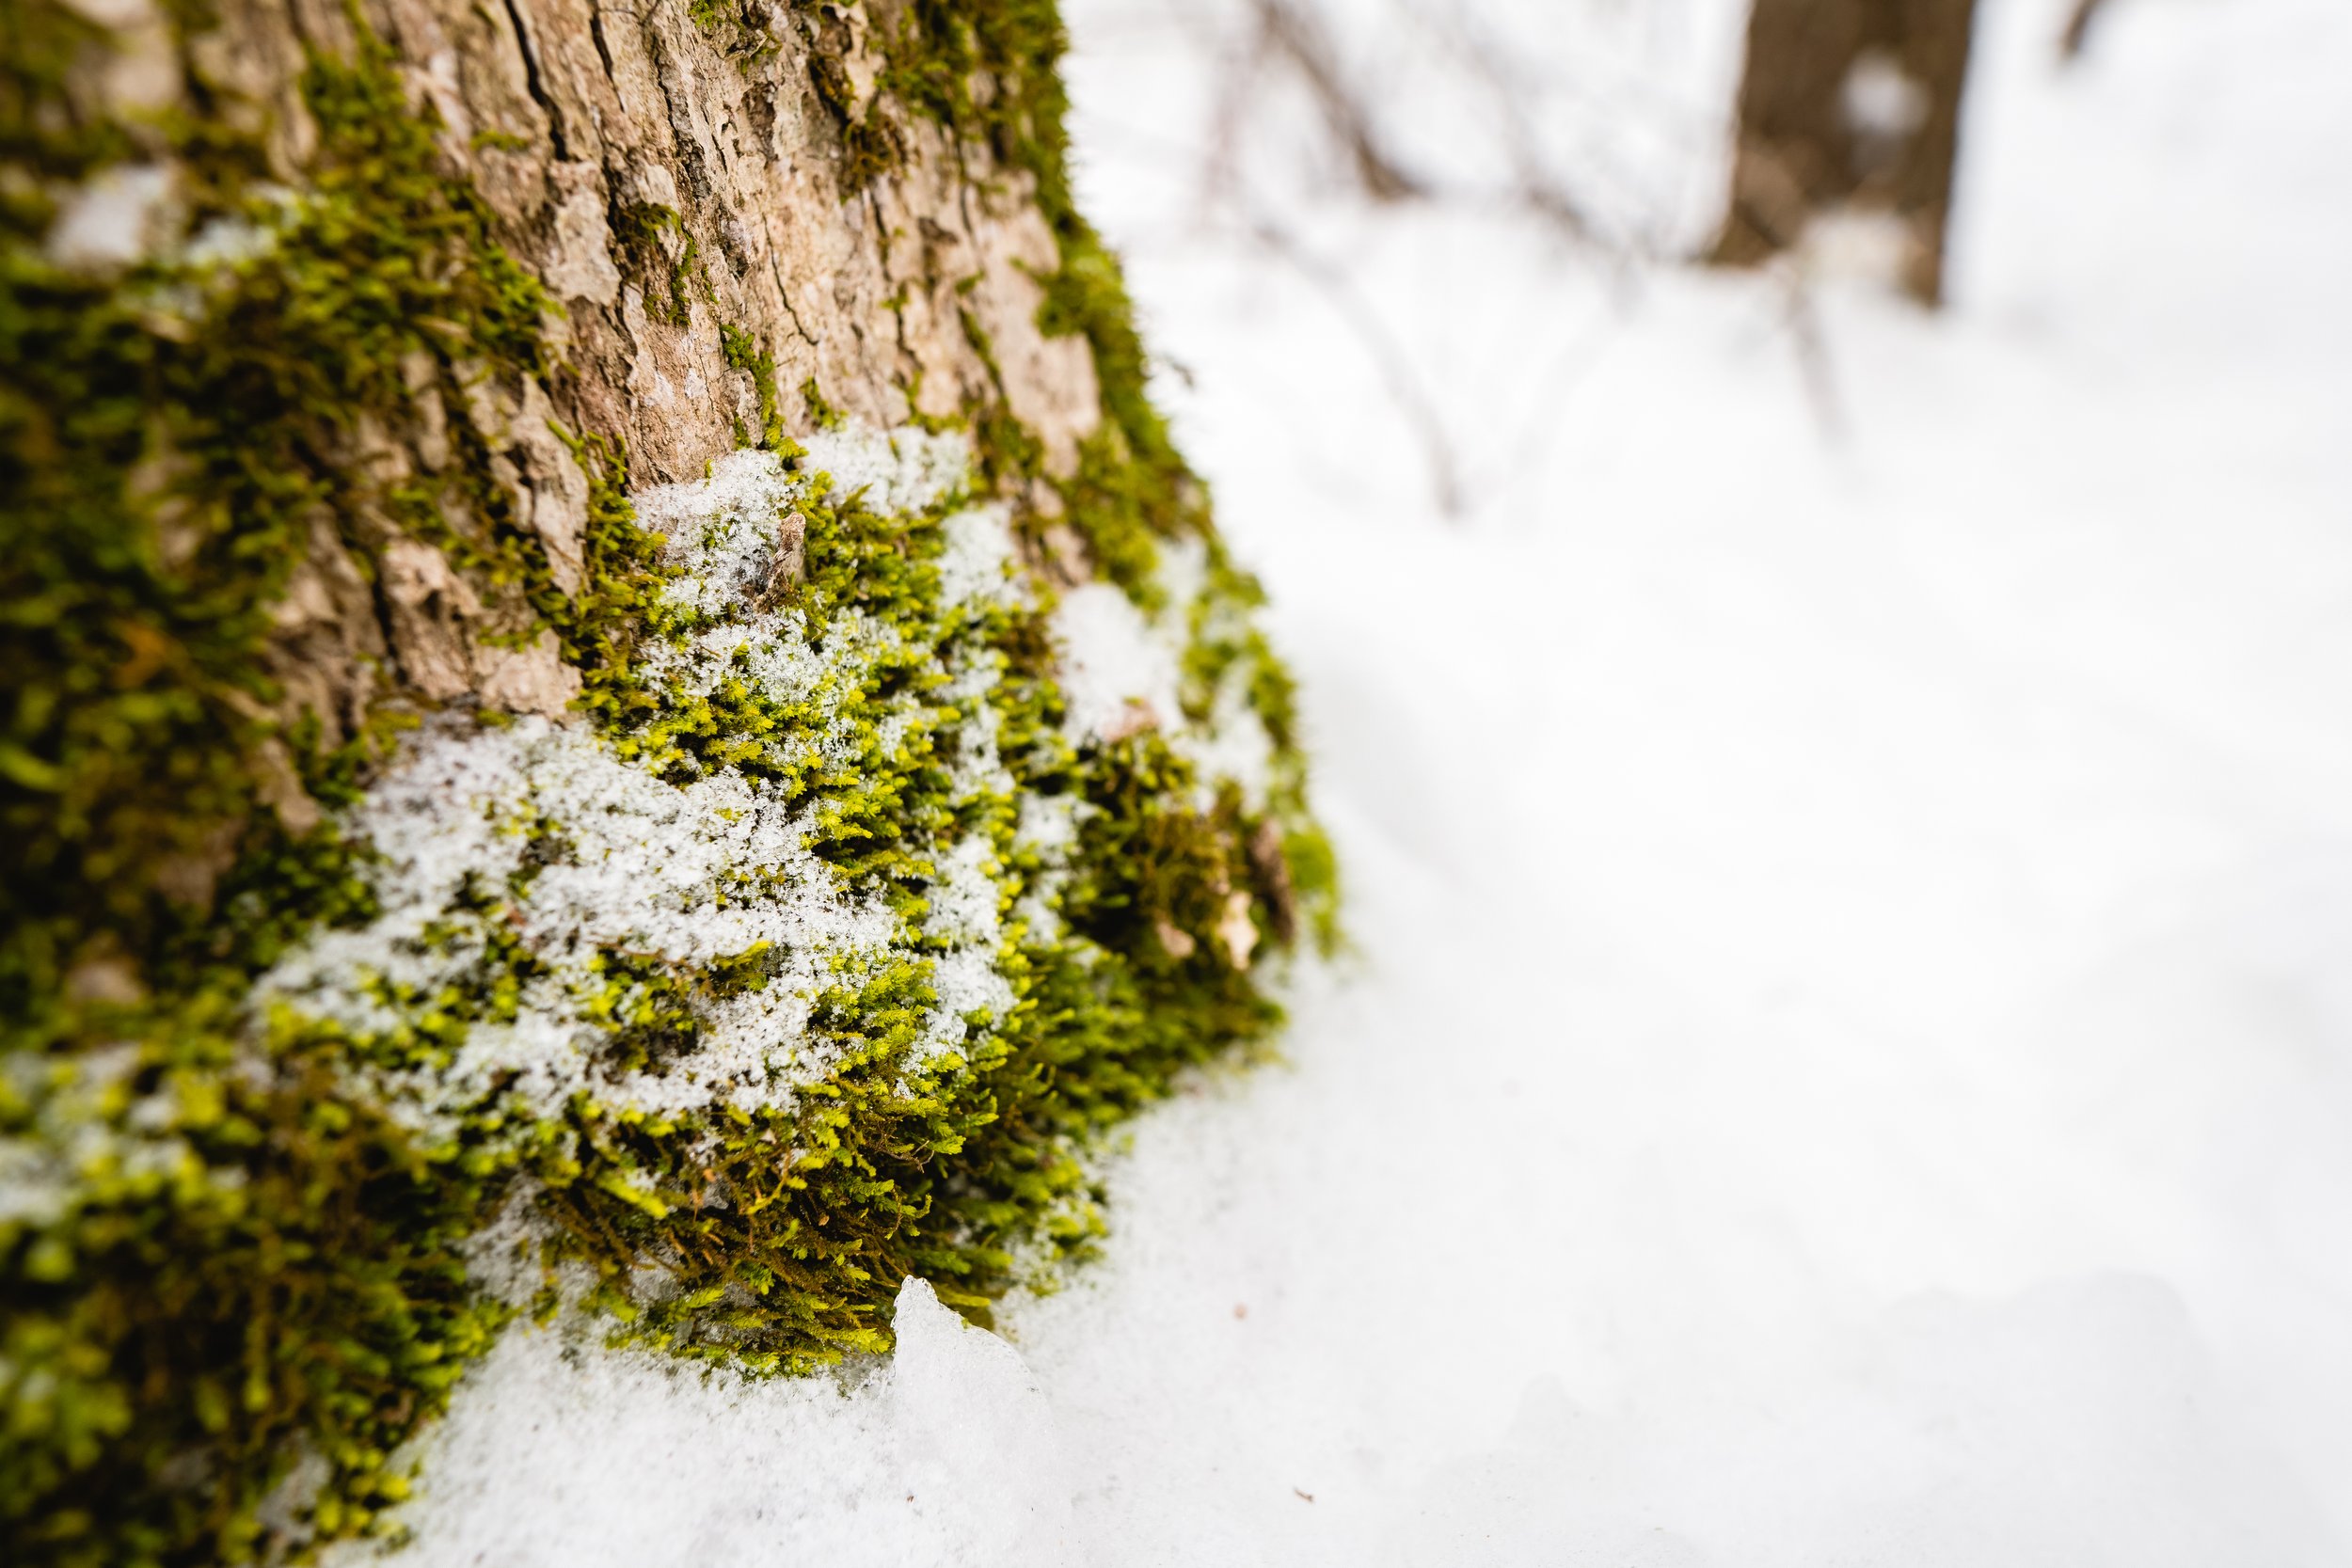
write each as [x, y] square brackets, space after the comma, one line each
[565, 1454]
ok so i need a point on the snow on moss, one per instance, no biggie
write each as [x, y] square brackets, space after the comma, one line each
[1123, 671]
[532, 880]
[537, 834]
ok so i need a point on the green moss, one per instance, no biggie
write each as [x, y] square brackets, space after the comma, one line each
[989, 72]
[872, 142]
[823, 415]
[638, 227]
[889, 1166]
[745, 354]
[737, 29]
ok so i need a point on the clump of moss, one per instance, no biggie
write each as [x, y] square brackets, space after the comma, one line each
[745, 353]
[638, 229]
[821, 413]
[943, 1167]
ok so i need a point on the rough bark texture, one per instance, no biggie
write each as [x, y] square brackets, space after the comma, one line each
[1850, 104]
[669, 192]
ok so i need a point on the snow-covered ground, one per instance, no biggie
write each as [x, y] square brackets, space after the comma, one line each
[1848, 1055]
[1849, 1059]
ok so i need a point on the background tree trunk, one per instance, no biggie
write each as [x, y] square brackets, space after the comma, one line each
[1849, 105]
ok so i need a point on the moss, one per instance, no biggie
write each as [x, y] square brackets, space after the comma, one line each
[888, 1167]
[739, 30]
[872, 144]
[989, 72]
[638, 228]
[745, 354]
[250, 1259]
[821, 413]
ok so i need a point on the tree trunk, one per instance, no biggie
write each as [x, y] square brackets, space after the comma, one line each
[605, 650]
[1848, 107]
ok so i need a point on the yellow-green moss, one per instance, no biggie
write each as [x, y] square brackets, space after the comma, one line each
[744, 353]
[638, 227]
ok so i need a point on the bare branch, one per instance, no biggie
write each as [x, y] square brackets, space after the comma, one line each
[2078, 28]
[1298, 38]
[1388, 355]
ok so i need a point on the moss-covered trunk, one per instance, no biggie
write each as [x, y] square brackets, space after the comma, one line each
[563, 577]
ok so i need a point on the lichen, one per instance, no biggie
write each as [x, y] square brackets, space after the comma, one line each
[256, 1127]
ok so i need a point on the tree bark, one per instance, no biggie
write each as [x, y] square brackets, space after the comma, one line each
[677, 185]
[1849, 106]
[710, 424]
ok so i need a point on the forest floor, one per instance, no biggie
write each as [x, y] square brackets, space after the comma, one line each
[1846, 1056]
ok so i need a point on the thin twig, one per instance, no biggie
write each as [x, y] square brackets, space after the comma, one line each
[2078, 28]
[1297, 37]
[1804, 321]
[1388, 355]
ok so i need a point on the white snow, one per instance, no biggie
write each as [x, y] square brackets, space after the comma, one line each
[1850, 851]
[1121, 671]
[1879, 100]
[565, 1454]
[1118, 672]
[1851, 863]
[677, 874]
[114, 219]
[905, 471]
[977, 561]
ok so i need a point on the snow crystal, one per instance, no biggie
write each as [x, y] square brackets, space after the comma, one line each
[1233, 744]
[721, 530]
[1122, 673]
[41, 1175]
[114, 219]
[965, 898]
[977, 563]
[1880, 99]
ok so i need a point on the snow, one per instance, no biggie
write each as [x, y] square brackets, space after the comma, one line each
[569, 1455]
[1846, 1060]
[1848, 1050]
[645, 869]
[113, 220]
[1119, 673]
[911, 469]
